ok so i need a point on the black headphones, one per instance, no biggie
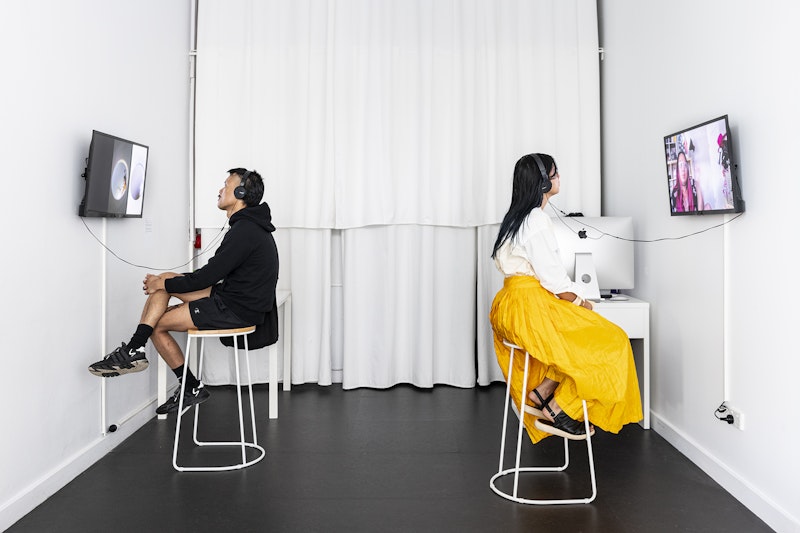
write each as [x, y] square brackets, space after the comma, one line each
[546, 183]
[241, 191]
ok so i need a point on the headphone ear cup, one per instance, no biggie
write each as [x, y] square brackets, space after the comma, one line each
[546, 185]
[240, 192]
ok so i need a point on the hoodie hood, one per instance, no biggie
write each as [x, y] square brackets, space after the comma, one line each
[260, 215]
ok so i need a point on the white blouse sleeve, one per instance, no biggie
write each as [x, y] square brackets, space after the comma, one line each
[540, 245]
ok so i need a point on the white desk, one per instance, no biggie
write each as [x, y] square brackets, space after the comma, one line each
[633, 316]
[284, 299]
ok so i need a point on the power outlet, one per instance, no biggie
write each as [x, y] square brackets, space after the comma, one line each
[738, 417]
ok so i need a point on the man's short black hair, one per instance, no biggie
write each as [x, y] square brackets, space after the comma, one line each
[253, 185]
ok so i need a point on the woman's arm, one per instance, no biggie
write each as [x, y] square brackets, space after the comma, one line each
[541, 250]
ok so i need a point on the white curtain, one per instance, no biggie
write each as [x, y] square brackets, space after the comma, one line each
[396, 124]
[409, 306]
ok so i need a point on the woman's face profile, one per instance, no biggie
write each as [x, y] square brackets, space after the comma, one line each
[683, 169]
[555, 181]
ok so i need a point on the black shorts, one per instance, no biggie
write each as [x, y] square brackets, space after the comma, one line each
[212, 313]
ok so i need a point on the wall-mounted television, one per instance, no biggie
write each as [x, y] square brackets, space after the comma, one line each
[702, 174]
[115, 177]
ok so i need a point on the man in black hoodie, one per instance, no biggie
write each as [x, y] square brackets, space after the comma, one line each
[235, 289]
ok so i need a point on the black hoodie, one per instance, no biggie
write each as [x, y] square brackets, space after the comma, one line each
[246, 263]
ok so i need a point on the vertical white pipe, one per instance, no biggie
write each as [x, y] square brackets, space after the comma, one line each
[726, 315]
[103, 320]
[192, 93]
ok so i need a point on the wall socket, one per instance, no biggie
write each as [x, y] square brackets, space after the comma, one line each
[738, 417]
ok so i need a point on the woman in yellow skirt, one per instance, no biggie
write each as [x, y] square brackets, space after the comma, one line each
[575, 354]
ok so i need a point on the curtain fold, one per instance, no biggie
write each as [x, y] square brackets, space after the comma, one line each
[409, 306]
[489, 281]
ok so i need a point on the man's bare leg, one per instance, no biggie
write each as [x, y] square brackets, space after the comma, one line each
[175, 318]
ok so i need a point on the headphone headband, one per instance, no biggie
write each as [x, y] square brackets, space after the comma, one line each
[546, 183]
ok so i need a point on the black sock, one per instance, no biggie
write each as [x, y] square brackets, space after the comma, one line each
[139, 339]
[191, 381]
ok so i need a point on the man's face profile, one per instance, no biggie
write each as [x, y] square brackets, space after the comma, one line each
[226, 199]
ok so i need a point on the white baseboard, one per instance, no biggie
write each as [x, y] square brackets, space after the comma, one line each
[760, 504]
[37, 492]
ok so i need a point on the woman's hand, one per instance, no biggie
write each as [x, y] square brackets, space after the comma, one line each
[575, 299]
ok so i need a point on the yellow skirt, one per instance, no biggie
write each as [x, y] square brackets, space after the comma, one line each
[589, 356]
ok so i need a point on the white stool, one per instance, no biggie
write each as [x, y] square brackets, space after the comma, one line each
[242, 443]
[517, 469]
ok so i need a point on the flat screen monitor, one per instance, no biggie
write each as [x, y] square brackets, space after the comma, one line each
[597, 252]
[702, 176]
[115, 177]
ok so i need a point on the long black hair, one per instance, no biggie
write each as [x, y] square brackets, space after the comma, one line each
[526, 194]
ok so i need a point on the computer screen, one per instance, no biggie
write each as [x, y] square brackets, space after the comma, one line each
[604, 244]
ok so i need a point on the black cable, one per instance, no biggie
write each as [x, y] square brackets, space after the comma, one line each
[210, 245]
[723, 409]
[602, 233]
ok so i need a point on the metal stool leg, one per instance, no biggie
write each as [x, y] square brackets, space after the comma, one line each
[243, 444]
[517, 469]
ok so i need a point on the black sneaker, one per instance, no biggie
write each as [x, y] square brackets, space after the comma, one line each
[120, 361]
[192, 396]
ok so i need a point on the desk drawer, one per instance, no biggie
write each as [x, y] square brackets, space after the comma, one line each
[633, 321]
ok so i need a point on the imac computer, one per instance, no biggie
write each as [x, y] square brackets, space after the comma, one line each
[597, 252]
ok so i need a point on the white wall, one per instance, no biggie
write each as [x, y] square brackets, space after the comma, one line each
[723, 303]
[67, 68]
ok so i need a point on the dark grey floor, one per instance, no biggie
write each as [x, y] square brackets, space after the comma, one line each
[404, 459]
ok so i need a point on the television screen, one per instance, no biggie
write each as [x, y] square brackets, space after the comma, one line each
[115, 177]
[701, 172]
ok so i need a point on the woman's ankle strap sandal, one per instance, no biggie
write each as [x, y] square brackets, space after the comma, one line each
[536, 410]
[563, 426]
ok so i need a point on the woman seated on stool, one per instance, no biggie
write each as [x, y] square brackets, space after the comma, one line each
[576, 354]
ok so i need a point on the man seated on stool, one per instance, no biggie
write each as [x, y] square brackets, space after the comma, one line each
[235, 289]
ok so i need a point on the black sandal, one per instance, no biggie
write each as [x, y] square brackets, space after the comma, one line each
[536, 410]
[563, 425]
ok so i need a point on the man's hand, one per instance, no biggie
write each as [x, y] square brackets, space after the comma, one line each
[153, 283]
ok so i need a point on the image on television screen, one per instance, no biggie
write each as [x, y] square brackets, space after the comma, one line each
[115, 177]
[701, 175]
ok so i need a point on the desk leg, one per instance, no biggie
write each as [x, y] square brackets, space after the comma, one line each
[272, 353]
[641, 358]
[646, 388]
[287, 344]
[162, 385]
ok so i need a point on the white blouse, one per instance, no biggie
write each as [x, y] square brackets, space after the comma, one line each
[534, 252]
